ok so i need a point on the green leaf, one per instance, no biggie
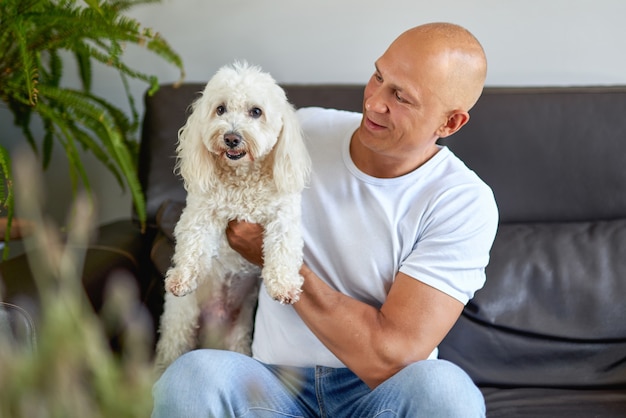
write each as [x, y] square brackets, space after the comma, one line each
[83, 59]
[6, 195]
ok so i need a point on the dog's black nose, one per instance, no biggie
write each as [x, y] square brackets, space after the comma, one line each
[232, 140]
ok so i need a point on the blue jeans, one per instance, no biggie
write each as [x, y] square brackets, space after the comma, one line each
[221, 384]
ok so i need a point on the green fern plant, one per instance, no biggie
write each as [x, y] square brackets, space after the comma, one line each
[36, 39]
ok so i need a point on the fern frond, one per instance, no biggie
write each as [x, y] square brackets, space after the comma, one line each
[124, 5]
[83, 60]
[6, 195]
[83, 109]
[28, 64]
[48, 138]
[55, 65]
[75, 165]
[102, 118]
[22, 118]
[127, 163]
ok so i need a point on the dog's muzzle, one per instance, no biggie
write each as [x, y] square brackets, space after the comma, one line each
[233, 141]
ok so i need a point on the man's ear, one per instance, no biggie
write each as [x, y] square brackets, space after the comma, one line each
[455, 121]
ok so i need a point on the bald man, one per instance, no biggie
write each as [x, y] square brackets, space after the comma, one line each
[397, 235]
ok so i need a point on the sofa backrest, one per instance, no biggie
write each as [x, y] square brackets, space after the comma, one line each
[530, 145]
[552, 311]
[549, 154]
[165, 113]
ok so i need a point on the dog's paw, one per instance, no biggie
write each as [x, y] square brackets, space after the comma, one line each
[285, 291]
[290, 297]
[177, 284]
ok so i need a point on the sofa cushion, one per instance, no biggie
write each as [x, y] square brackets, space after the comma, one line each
[552, 310]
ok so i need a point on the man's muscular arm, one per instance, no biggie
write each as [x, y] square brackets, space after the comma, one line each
[373, 343]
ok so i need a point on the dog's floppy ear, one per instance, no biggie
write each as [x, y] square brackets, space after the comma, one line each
[193, 162]
[292, 164]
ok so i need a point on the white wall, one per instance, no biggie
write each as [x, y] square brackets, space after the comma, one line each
[529, 42]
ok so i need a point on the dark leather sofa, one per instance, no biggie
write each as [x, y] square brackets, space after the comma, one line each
[546, 336]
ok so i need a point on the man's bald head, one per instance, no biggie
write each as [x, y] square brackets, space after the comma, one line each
[455, 54]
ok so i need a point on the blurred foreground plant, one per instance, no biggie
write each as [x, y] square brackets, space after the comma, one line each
[73, 372]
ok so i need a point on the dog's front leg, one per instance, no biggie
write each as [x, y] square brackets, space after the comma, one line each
[197, 239]
[282, 253]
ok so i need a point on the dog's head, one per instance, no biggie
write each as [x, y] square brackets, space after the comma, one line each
[243, 118]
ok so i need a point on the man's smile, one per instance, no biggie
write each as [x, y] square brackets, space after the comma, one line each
[373, 125]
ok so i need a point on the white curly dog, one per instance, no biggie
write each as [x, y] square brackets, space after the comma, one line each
[242, 157]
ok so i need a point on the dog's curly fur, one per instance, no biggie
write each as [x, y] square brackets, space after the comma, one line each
[242, 156]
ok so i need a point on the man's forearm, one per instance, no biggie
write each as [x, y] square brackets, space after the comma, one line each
[354, 331]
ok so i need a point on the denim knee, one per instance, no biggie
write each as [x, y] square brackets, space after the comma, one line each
[195, 369]
[196, 382]
[437, 388]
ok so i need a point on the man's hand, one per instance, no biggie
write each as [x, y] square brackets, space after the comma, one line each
[247, 239]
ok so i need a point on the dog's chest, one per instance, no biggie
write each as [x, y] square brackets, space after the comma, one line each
[253, 203]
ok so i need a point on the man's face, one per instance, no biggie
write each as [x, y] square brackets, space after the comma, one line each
[401, 111]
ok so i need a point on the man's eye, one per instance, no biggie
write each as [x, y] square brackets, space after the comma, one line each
[399, 98]
[378, 77]
[255, 113]
[221, 109]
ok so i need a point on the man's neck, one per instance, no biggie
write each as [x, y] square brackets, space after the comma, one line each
[386, 166]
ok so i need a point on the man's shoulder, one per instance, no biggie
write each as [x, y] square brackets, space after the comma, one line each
[453, 180]
[456, 171]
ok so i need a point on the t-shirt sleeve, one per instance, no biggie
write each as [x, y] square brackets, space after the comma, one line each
[453, 250]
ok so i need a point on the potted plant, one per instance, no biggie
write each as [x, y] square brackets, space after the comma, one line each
[37, 37]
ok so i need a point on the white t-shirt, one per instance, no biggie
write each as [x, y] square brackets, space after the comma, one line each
[435, 224]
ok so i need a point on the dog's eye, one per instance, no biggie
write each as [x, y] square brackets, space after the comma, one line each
[255, 112]
[221, 109]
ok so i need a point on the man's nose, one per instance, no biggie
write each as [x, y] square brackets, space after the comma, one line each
[376, 102]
